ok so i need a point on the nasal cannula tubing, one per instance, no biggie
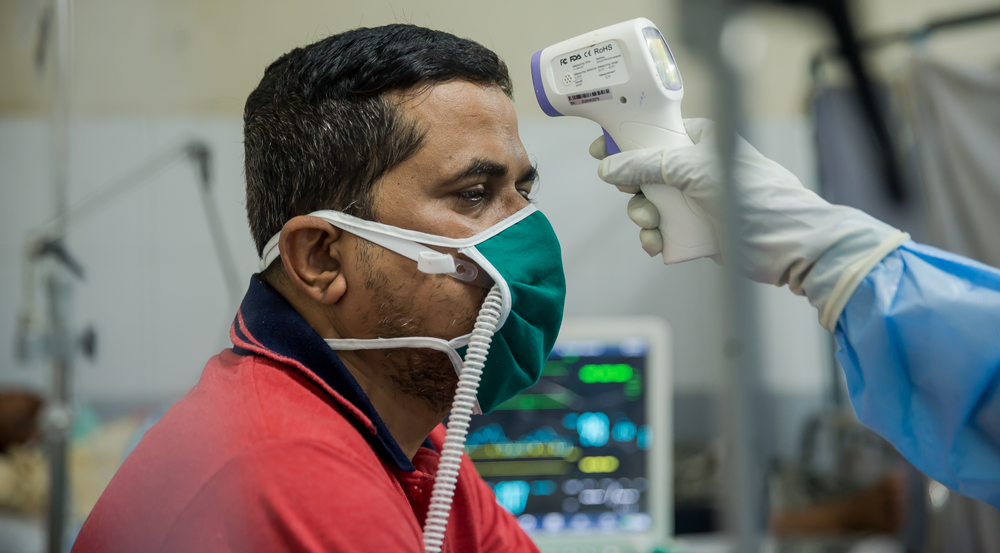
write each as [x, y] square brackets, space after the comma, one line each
[458, 421]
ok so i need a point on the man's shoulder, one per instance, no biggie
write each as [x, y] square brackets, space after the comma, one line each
[260, 499]
[243, 404]
[261, 399]
[251, 435]
[297, 491]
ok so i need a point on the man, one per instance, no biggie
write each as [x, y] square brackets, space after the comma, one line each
[285, 445]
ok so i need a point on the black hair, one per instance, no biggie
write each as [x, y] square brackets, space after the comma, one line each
[319, 130]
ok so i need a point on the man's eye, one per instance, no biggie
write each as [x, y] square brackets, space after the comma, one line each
[474, 196]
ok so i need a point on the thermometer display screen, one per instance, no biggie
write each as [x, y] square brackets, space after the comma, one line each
[663, 59]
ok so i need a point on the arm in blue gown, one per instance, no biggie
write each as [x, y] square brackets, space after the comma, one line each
[920, 346]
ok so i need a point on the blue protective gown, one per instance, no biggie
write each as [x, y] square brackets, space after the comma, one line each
[920, 346]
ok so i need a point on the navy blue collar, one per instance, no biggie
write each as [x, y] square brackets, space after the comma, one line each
[268, 325]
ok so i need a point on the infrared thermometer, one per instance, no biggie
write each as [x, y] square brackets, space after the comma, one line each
[624, 78]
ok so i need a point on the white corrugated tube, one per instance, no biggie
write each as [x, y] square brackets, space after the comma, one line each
[458, 421]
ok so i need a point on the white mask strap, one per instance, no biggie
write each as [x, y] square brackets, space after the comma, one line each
[363, 227]
[355, 344]
[428, 261]
[270, 253]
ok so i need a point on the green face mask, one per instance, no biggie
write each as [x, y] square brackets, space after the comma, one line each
[520, 254]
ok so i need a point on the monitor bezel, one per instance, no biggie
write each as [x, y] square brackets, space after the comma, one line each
[659, 460]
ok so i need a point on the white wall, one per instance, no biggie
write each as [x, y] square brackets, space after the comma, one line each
[153, 288]
[156, 57]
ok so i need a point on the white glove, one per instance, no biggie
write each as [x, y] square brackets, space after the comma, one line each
[787, 234]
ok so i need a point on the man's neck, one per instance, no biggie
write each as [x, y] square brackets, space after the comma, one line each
[409, 419]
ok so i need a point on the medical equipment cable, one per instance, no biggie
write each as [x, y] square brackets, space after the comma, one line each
[458, 421]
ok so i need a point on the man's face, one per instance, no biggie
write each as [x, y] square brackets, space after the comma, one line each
[471, 173]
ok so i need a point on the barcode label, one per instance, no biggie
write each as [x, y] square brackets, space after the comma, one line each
[592, 96]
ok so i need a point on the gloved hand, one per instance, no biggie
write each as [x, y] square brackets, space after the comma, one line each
[786, 233]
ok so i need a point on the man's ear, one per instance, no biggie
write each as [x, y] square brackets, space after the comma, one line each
[311, 253]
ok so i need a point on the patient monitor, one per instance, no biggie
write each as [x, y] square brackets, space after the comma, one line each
[583, 458]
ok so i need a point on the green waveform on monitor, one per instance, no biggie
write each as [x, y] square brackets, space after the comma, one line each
[528, 402]
[558, 449]
[554, 368]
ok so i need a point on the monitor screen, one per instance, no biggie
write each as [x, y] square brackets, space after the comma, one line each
[568, 455]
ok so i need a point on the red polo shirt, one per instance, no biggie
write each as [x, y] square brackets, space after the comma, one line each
[278, 449]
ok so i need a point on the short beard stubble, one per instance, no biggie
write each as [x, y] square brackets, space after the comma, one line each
[425, 374]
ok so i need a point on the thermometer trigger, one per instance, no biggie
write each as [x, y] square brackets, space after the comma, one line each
[609, 143]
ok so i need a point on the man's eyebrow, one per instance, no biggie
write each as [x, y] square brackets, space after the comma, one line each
[479, 167]
[489, 168]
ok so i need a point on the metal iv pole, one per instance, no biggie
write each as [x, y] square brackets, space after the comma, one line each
[703, 23]
[58, 420]
[53, 337]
